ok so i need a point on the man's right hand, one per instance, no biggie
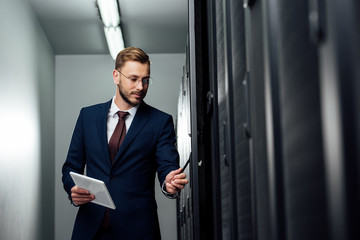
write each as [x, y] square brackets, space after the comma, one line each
[81, 196]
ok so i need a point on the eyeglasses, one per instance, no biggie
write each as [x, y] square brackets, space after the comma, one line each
[145, 81]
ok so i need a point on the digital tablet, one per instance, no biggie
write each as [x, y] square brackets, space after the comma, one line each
[95, 187]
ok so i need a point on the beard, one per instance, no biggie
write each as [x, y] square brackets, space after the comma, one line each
[125, 96]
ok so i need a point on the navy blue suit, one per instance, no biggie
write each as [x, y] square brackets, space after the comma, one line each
[148, 147]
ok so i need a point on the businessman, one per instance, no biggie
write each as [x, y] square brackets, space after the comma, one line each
[123, 142]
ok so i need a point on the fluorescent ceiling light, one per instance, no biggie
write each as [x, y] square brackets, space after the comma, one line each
[114, 40]
[109, 12]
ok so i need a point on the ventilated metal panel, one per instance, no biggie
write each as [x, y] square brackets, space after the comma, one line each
[238, 115]
[225, 180]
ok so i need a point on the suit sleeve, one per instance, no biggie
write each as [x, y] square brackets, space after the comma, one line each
[75, 160]
[167, 156]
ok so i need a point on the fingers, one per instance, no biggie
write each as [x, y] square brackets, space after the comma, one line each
[174, 173]
[175, 181]
[180, 176]
[179, 183]
[78, 190]
[177, 171]
[81, 196]
[171, 189]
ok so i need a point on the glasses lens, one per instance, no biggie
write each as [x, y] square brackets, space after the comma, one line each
[147, 81]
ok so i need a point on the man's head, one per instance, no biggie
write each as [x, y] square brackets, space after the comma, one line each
[131, 76]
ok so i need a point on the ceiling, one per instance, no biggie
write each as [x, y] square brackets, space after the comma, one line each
[74, 27]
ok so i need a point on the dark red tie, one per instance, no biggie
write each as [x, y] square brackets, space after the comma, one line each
[114, 145]
[118, 135]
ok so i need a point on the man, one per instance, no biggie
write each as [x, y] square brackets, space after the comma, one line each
[129, 171]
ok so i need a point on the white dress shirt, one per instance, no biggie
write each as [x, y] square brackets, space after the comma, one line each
[113, 118]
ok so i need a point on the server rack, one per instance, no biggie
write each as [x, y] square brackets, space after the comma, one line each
[294, 122]
[273, 111]
[339, 57]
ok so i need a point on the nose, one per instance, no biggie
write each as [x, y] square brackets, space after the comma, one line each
[139, 84]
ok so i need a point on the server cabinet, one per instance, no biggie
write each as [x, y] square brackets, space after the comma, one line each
[271, 90]
[225, 157]
[221, 172]
[196, 208]
[295, 122]
[340, 90]
[264, 183]
[236, 123]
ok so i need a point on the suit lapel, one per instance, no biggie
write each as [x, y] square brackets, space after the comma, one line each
[102, 129]
[139, 121]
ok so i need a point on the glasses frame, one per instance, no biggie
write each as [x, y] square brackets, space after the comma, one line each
[145, 82]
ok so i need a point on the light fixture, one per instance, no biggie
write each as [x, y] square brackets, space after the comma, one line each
[114, 40]
[109, 12]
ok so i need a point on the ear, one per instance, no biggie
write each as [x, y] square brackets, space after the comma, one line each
[116, 77]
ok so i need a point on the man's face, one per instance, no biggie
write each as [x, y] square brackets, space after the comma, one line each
[129, 82]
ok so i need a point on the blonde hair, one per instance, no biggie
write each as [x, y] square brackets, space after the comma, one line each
[131, 54]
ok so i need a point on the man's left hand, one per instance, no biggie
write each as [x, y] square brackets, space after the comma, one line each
[175, 181]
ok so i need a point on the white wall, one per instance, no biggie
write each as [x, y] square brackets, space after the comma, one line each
[26, 125]
[87, 79]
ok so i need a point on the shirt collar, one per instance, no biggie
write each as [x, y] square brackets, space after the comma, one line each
[114, 109]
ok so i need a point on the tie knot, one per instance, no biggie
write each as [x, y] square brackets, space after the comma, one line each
[122, 115]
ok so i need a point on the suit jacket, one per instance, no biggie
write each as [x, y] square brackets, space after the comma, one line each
[148, 147]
